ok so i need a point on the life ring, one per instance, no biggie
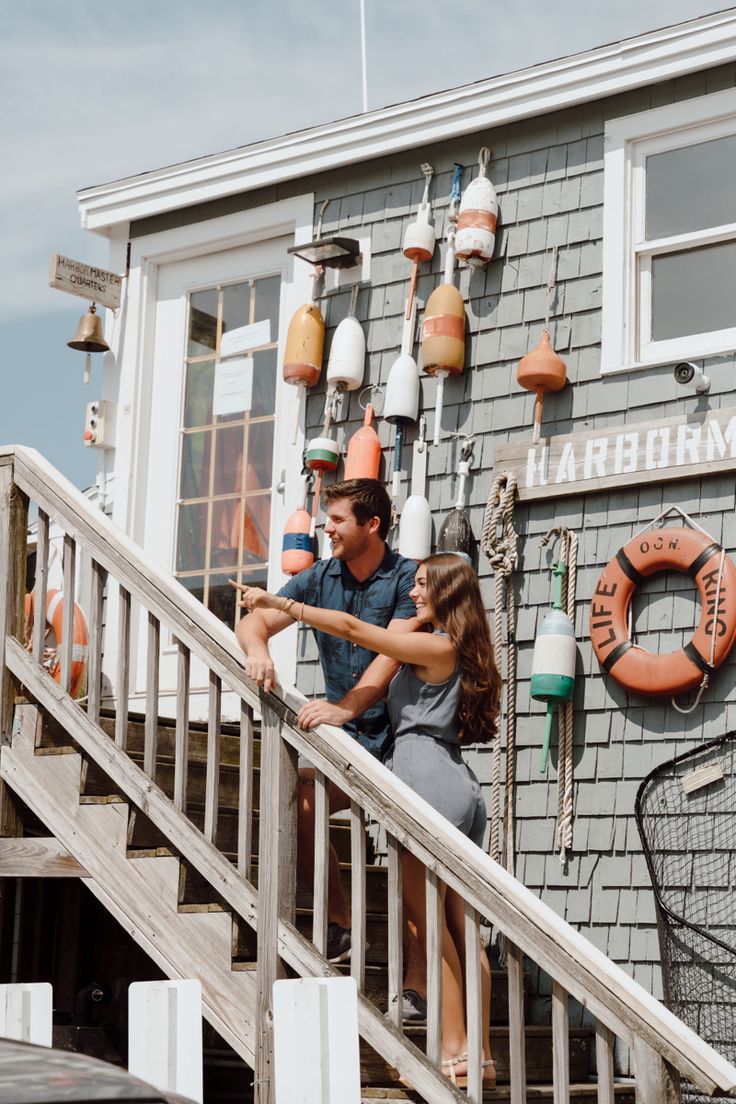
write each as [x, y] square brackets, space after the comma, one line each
[687, 550]
[80, 638]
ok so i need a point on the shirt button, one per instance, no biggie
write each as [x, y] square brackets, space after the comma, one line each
[354, 674]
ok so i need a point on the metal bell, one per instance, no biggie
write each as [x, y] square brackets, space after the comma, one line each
[88, 338]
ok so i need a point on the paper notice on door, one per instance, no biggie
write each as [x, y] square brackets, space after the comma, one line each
[233, 390]
[245, 338]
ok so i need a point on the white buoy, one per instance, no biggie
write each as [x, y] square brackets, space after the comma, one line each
[415, 528]
[346, 361]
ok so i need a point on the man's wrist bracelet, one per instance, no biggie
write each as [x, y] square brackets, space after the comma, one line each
[288, 607]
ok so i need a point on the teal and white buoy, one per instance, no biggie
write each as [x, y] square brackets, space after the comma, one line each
[553, 665]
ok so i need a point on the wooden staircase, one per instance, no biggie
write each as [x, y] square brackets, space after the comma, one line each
[187, 835]
[173, 913]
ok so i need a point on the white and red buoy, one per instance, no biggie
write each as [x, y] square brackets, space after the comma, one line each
[297, 548]
[419, 239]
[476, 224]
[443, 330]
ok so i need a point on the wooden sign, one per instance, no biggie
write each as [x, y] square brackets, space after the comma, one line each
[89, 283]
[611, 459]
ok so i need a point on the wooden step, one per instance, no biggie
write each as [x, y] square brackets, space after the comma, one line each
[376, 989]
[375, 1071]
[585, 1092]
[144, 834]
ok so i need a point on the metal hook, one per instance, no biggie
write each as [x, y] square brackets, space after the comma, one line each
[375, 390]
[322, 210]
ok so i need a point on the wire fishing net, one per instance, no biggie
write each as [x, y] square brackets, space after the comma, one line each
[686, 815]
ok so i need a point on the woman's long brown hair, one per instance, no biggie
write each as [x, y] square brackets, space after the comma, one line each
[453, 591]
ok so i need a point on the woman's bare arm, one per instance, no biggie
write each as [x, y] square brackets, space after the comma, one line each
[433, 653]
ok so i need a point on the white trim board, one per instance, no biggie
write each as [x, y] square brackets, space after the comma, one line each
[605, 71]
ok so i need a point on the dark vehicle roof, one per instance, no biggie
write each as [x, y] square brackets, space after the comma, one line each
[40, 1075]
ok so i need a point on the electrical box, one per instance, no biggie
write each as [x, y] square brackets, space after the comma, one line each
[99, 424]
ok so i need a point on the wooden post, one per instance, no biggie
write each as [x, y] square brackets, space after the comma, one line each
[25, 1013]
[517, 1034]
[276, 883]
[13, 545]
[165, 1032]
[656, 1081]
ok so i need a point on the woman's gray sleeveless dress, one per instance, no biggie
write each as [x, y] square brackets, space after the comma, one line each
[426, 754]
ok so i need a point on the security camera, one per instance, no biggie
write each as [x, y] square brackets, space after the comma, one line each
[689, 375]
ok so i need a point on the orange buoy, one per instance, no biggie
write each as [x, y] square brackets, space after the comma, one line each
[694, 553]
[305, 342]
[541, 370]
[364, 451]
[80, 638]
[443, 340]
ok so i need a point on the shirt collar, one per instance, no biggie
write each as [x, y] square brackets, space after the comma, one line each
[384, 569]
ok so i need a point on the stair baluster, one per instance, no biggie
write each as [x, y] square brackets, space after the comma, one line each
[150, 749]
[321, 861]
[181, 737]
[122, 668]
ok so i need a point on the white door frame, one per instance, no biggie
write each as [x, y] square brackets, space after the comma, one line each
[131, 366]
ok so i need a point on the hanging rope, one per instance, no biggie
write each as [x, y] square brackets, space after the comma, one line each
[565, 810]
[499, 543]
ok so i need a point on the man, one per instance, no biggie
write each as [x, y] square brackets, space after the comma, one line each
[365, 578]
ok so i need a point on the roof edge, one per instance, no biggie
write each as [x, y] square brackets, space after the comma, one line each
[655, 56]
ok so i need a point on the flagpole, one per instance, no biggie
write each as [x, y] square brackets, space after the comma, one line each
[363, 55]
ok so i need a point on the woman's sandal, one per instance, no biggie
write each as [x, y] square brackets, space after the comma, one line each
[488, 1071]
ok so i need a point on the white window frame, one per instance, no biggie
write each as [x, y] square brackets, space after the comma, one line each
[627, 345]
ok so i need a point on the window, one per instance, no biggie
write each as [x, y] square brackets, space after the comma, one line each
[227, 440]
[669, 234]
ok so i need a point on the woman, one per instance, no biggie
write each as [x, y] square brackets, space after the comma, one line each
[444, 696]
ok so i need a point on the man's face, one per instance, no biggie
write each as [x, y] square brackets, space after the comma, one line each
[349, 539]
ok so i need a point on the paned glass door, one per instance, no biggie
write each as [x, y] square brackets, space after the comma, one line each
[227, 440]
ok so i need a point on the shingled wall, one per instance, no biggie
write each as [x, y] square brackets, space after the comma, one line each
[548, 173]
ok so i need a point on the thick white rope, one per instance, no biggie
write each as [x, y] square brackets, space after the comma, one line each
[499, 542]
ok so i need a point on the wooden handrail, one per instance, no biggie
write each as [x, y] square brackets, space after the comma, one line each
[576, 967]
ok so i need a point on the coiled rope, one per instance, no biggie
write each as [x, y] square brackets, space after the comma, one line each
[499, 542]
[565, 811]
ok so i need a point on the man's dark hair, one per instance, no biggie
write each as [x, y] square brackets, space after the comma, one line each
[368, 499]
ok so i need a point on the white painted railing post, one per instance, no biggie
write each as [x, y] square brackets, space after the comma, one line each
[315, 1041]
[165, 1035]
[26, 1013]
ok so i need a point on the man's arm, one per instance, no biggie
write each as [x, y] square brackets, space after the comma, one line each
[370, 688]
[253, 633]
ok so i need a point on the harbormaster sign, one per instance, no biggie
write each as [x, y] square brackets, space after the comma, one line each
[607, 459]
[84, 280]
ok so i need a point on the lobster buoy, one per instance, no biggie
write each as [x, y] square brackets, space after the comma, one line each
[420, 238]
[456, 535]
[297, 548]
[347, 356]
[364, 451]
[476, 225]
[694, 553]
[541, 370]
[80, 638]
[305, 341]
[323, 454]
[415, 528]
[401, 405]
[553, 662]
[443, 341]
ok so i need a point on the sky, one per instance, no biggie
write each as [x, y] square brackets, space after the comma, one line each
[91, 93]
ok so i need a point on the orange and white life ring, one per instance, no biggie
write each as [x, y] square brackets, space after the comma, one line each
[80, 638]
[694, 553]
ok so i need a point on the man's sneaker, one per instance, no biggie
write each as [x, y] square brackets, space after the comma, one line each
[413, 1007]
[339, 941]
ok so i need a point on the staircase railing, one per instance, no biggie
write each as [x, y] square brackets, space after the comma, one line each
[662, 1047]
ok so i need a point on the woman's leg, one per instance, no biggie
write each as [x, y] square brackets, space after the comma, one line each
[454, 1040]
[455, 913]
